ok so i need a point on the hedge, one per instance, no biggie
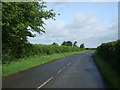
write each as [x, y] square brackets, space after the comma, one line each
[35, 49]
[110, 52]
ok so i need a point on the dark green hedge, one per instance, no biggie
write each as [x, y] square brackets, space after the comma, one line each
[110, 52]
[35, 49]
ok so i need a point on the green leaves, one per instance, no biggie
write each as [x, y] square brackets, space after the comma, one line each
[75, 43]
[82, 46]
[17, 17]
[110, 52]
[67, 43]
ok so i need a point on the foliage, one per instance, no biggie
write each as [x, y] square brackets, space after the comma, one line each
[82, 46]
[19, 21]
[38, 49]
[111, 53]
[75, 43]
[29, 62]
[90, 48]
[55, 44]
[110, 75]
[67, 43]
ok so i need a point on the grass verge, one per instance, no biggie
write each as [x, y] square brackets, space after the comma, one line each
[30, 62]
[110, 76]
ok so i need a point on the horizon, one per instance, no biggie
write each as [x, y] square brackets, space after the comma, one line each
[91, 23]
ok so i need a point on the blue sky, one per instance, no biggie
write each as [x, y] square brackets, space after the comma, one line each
[104, 10]
[91, 23]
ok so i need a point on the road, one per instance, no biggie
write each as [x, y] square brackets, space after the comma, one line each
[75, 71]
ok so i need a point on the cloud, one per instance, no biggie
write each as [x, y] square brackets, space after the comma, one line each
[57, 5]
[91, 31]
[82, 27]
[81, 0]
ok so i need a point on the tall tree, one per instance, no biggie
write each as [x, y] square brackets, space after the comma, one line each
[75, 43]
[17, 17]
[55, 44]
[82, 46]
[64, 43]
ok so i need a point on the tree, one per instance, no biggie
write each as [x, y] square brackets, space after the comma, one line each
[64, 43]
[16, 18]
[55, 44]
[67, 43]
[82, 46]
[75, 43]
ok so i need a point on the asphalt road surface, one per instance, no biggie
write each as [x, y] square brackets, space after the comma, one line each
[75, 71]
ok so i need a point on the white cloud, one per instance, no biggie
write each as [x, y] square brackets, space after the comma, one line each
[81, 0]
[57, 4]
[83, 27]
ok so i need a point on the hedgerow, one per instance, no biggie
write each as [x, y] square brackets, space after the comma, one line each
[36, 49]
[110, 52]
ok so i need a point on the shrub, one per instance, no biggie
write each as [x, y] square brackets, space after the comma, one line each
[37, 49]
[110, 52]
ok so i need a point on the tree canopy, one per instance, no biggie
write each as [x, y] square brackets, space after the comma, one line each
[55, 44]
[19, 20]
[67, 43]
[75, 43]
[82, 46]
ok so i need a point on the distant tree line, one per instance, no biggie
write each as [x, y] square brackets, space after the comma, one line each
[69, 43]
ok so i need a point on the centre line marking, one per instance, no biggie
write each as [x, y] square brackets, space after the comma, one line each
[68, 64]
[44, 83]
[59, 71]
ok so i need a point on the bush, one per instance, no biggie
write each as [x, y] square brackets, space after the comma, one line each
[37, 49]
[111, 53]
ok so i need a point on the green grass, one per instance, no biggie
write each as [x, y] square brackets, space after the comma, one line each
[110, 76]
[27, 63]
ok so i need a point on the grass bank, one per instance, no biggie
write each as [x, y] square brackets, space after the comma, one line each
[110, 76]
[27, 63]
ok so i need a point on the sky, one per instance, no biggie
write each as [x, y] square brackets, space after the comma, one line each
[91, 23]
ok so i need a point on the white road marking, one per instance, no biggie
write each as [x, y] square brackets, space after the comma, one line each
[44, 83]
[59, 71]
[52, 77]
[68, 64]
[63, 68]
